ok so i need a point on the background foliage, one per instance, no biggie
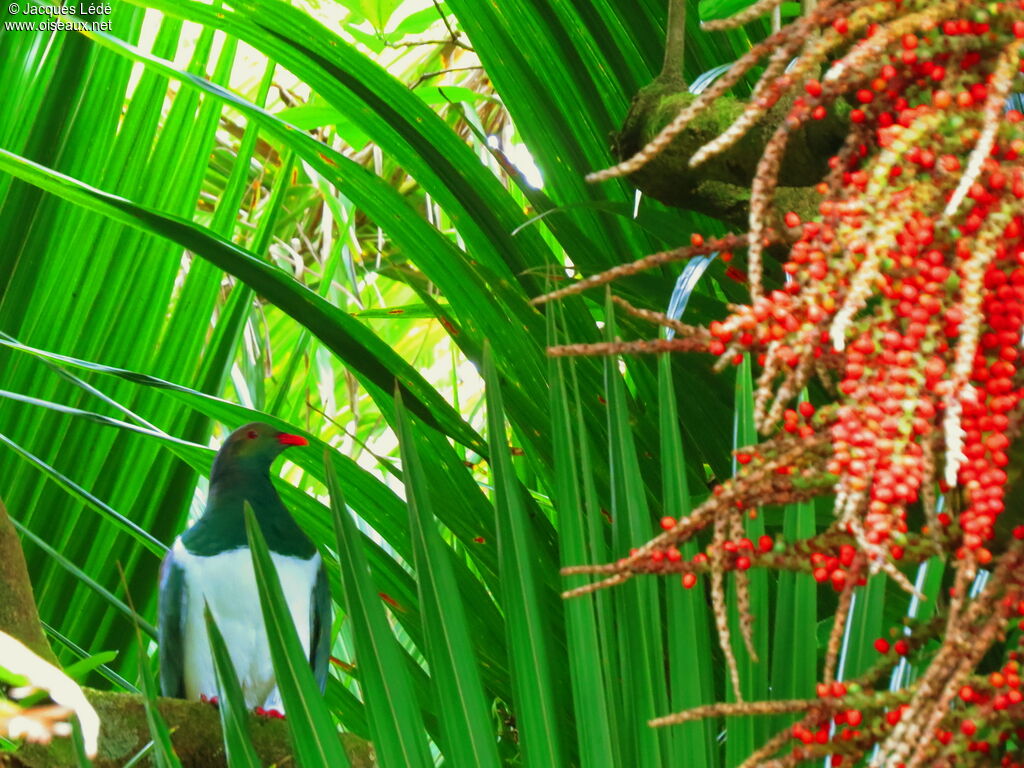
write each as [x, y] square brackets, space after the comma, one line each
[214, 215]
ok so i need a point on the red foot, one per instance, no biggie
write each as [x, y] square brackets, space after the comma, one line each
[271, 713]
[209, 699]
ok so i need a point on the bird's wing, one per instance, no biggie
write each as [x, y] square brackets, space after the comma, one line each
[170, 628]
[320, 628]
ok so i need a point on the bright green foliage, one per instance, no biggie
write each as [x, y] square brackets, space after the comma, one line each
[522, 593]
[689, 643]
[399, 734]
[456, 679]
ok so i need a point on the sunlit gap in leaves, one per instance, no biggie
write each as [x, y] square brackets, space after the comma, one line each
[521, 158]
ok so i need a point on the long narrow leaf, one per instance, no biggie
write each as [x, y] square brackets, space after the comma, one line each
[315, 741]
[691, 681]
[234, 716]
[399, 734]
[746, 733]
[164, 755]
[590, 700]
[794, 645]
[638, 609]
[83, 578]
[464, 711]
[528, 632]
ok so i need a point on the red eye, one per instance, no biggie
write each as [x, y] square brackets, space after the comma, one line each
[253, 434]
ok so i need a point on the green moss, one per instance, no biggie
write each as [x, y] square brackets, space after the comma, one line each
[720, 186]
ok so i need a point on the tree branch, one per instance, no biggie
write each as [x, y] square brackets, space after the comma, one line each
[195, 732]
[720, 187]
[18, 615]
[675, 44]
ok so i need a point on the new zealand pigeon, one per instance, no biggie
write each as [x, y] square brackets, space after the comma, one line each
[211, 561]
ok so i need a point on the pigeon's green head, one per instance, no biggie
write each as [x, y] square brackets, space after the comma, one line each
[253, 447]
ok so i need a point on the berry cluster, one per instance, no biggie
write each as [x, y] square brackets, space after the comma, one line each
[902, 290]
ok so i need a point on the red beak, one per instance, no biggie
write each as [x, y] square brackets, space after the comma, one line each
[285, 439]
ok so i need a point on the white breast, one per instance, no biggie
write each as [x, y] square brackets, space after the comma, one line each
[228, 584]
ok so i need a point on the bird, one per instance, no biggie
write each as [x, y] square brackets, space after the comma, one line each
[210, 563]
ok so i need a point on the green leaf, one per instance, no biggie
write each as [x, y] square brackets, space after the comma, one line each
[691, 680]
[81, 758]
[565, 72]
[82, 667]
[710, 10]
[464, 711]
[450, 94]
[315, 741]
[234, 716]
[521, 584]
[863, 625]
[12, 678]
[638, 614]
[80, 654]
[372, 361]
[50, 304]
[377, 12]
[590, 698]
[163, 750]
[406, 312]
[485, 285]
[419, 21]
[794, 645]
[310, 116]
[745, 734]
[399, 734]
